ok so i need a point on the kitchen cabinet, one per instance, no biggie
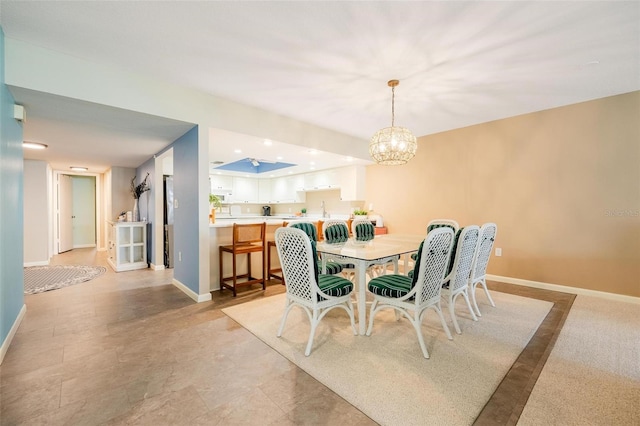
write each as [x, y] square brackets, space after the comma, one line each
[264, 190]
[127, 246]
[352, 183]
[245, 190]
[323, 179]
[288, 189]
[221, 183]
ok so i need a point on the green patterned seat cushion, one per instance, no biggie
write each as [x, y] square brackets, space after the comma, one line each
[453, 253]
[390, 285]
[365, 232]
[338, 233]
[308, 228]
[332, 268]
[414, 274]
[316, 266]
[334, 285]
[453, 256]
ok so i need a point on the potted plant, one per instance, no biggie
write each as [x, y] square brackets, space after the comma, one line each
[136, 192]
[360, 214]
[215, 203]
[303, 211]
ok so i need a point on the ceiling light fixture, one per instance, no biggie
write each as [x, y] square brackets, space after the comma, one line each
[255, 162]
[34, 145]
[393, 145]
[78, 169]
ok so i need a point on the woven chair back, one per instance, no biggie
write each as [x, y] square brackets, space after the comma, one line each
[249, 233]
[464, 256]
[296, 258]
[308, 227]
[434, 258]
[487, 237]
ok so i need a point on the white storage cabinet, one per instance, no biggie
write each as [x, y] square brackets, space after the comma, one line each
[127, 246]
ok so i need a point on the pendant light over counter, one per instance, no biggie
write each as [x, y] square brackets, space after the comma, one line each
[393, 145]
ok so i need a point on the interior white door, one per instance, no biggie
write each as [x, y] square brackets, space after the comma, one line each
[65, 213]
[84, 211]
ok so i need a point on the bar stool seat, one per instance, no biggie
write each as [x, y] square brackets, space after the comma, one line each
[247, 239]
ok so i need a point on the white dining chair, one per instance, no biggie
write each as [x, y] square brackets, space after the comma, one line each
[363, 231]
[413, 297]
[315, 293]
[456, 282]
[478, 274]
[336, 231]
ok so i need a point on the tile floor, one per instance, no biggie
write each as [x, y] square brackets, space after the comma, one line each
[130, 348]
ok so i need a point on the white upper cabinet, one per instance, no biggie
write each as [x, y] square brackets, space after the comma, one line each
[245, 190]
[264, 190]
[221, 183]
[323, 179]
[288, 189]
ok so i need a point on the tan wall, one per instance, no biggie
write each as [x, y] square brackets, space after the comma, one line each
[563, 185]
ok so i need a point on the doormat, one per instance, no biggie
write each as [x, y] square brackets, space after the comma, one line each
[38, 279]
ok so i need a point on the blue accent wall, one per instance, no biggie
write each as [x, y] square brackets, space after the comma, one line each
[185, 217]
[11, 208]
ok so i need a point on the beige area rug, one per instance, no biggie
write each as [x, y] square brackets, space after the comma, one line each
[592, 377]
[385, 375]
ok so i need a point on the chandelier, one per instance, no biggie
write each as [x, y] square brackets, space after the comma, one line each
[393, 145]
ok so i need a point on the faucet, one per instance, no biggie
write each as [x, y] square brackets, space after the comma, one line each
[324, 211]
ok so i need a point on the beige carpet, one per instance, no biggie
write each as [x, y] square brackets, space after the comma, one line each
[385, 375]
[592, 377]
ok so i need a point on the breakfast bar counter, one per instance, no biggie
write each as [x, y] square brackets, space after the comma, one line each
[221, 233]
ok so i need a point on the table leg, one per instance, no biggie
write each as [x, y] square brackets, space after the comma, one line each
[361, 282]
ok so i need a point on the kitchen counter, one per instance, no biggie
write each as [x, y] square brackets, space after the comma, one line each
[224, 221]
[221, 233]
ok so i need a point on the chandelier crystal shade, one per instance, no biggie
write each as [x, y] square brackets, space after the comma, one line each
[393, 145]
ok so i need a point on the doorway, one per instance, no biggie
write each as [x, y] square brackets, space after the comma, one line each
[76, 212]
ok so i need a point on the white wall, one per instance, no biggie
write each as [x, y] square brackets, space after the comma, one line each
[120, 186]
[37, 184]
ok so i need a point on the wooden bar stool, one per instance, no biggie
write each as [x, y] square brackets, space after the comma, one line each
[247, 239]
[274, 272]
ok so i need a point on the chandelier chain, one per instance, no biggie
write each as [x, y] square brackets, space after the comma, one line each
[393, 103]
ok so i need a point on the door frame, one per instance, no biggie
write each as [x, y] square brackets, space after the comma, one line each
[157, 262]
[100, 241]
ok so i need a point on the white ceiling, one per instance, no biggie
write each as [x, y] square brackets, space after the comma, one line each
[327, 63]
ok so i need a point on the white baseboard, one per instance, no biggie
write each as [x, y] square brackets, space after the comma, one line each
[565, 289]
[38, 263]
[192, 294]
[84, 246]
[5, 345]
[156, 267]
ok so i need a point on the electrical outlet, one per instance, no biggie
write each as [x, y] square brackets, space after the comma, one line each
[179, 256]
[498, 252]
[175, 203]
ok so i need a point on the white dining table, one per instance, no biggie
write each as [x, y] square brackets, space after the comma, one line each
[382, 250]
